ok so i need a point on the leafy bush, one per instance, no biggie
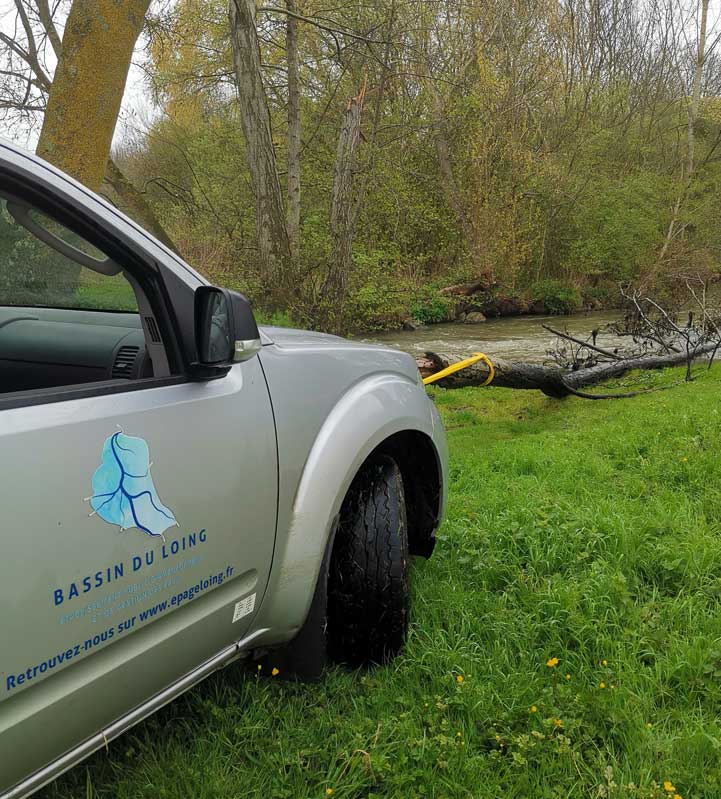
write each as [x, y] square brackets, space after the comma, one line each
[431, 307]
[556, 297]
[274, 319]
[603, 295]
[375, 307]
[617, 227]
[377, 297]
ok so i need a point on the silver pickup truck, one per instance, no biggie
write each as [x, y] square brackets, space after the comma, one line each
[180, 489]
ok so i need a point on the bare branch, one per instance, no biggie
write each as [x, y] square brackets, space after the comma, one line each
[46, 20]
[334, 31]
[608, 353]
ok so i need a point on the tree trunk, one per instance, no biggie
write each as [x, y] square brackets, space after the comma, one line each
[343, 208]
[116, 188]
[87, 89]
[379, 99]
[451, 189]
[273, 244]
[696, 91]
[291, 47]
[449, 184]
[551, 380]
[693, 106]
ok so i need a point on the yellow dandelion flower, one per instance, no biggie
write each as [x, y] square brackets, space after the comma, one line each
[649, 725]
[260, 666]
[684, 459]
[551, 662]
[329, 792]
[275, 672]
[459, 679]
[568, 676]
[558, 722]
[604, 663]
[458, 734]
[677, 796]
[668, 786]
[534, 709]
[498, 737]
[602, 685]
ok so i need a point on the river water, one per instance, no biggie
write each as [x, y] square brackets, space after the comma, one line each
[515, 338]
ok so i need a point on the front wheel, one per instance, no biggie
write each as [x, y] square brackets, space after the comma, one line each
[368, 586]
[359, 613]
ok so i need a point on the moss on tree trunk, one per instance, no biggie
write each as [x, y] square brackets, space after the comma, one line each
[88, 86]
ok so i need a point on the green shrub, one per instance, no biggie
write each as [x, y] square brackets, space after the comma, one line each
[431, 307]
[377, 297]
[274, 318]
[556, 297]
[617, 226]
[605, 295]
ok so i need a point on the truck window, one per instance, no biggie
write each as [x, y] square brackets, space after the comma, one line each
[33, 274]
[68, 314]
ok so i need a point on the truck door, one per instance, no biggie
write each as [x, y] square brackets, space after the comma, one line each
[139, 507]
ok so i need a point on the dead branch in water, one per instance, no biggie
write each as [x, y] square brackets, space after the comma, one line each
[660, 340]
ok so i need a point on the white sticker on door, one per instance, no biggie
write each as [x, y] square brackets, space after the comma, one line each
[243, 608]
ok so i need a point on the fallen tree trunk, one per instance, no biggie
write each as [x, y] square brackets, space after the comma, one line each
[483, 283]
[551, 380]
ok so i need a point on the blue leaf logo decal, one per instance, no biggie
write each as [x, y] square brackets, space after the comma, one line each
[123, 490]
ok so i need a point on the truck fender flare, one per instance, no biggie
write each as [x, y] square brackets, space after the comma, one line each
[364, 417]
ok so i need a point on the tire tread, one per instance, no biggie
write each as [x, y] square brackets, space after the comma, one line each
[368, 590]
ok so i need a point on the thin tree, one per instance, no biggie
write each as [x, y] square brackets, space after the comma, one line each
[689, 166]
[294, 128]
[274, 249]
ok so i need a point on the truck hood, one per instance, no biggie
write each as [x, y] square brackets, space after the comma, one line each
[288, 336]
[378, 357]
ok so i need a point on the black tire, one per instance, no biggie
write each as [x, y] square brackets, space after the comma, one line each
[368, 588]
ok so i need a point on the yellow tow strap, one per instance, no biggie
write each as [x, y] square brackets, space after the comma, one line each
[456, 367]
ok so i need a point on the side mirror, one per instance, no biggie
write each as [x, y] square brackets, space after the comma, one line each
[225, 330]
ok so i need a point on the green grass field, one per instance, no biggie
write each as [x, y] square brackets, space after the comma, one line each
[566, 637]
